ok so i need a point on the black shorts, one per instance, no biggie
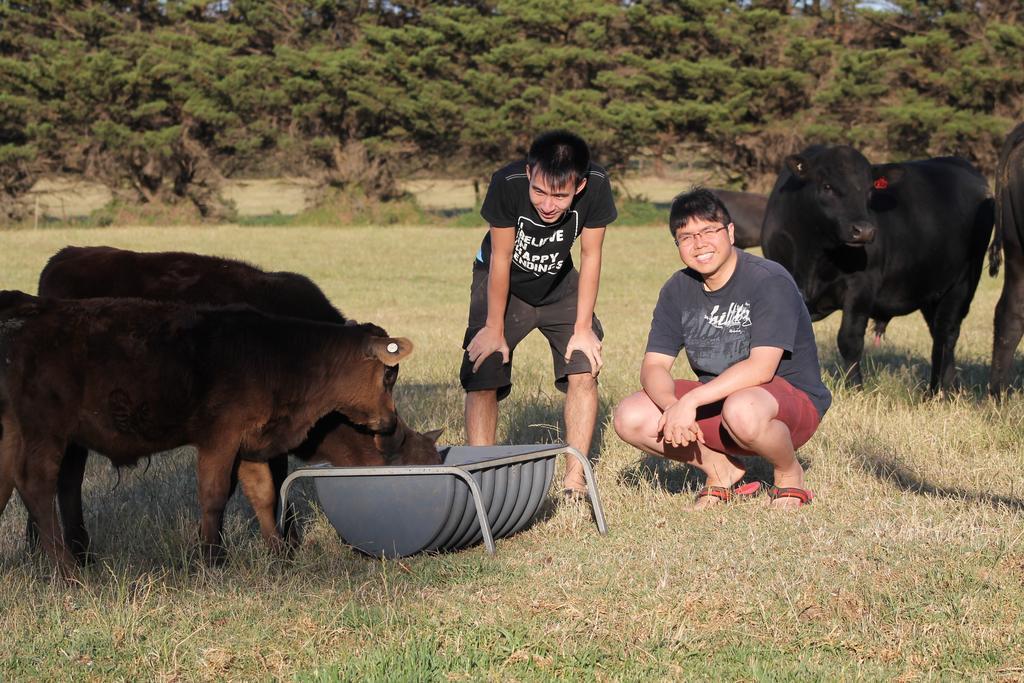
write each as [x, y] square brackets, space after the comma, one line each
[555, 321]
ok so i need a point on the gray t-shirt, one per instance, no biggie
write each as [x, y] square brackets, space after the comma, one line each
[760, 305]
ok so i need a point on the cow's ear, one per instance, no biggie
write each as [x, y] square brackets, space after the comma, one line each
[884, 176]
[389, 350]
[434, 434]
[797, 165]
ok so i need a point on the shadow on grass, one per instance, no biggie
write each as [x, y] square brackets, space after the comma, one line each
[892, 364]
[674, 477]
[653, 472]
[888, 469]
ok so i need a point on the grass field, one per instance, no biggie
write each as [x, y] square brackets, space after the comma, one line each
[909, 565]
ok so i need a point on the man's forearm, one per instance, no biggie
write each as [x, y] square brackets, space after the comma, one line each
[586, 298]
[659, 385]
[497, 293]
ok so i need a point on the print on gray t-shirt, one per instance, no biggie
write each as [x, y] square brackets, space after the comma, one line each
[719, 338]
[760, 305]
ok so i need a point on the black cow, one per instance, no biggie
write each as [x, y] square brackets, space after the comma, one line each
[881, 241]
[88, 272]
[747, 212]
[128, 378]
[1009, 321]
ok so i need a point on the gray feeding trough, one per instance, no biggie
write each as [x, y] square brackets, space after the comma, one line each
[478, 493]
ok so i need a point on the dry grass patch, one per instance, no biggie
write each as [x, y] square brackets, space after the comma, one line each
[909, 565]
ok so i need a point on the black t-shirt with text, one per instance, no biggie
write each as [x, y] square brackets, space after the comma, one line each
[541, 258]
[760, 305]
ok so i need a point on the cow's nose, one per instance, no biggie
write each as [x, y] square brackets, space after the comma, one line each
[863, 233]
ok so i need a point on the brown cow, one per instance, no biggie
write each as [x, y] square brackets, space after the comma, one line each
[86, 272]
[128, 378]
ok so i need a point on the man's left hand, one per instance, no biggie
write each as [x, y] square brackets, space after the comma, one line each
[588, 343]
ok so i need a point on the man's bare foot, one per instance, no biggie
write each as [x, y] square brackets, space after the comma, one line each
[575, 480]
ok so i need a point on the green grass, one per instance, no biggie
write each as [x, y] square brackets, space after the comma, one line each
[909, 565]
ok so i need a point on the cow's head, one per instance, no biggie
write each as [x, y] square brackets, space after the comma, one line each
[366, 372]
[345, 444]
[406, 446]
[387, 351]
[841, 182]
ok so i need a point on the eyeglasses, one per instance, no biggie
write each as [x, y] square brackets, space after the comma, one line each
[686, 238]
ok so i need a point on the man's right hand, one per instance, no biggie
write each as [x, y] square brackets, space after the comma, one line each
[678, 424]
[487, 341]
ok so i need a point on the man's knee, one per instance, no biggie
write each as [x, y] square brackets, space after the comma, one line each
[630, 418]
[744, 418]
[582, 381]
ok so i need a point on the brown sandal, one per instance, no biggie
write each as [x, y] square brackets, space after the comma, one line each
[727, 493]
[805, 496]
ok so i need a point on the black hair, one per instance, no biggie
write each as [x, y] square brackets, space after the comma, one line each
[562, 157]
[699, 202]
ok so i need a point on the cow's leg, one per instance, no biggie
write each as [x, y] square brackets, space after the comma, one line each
[944, 318]
[7, 466]
[943, 363]
[69, 496]
[851, 337]
[11, 460]
[214, 466]
[37, 469]
[6, 488]
[258, 486]
[1009, 324]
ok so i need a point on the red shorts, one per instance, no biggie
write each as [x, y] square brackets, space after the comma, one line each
[795, 411]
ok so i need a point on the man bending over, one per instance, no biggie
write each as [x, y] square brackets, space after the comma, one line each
[524, 279]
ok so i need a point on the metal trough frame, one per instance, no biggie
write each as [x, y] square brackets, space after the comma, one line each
[461, 471]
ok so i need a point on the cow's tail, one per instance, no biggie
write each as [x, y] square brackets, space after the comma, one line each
[995, 253]
[995, 250]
